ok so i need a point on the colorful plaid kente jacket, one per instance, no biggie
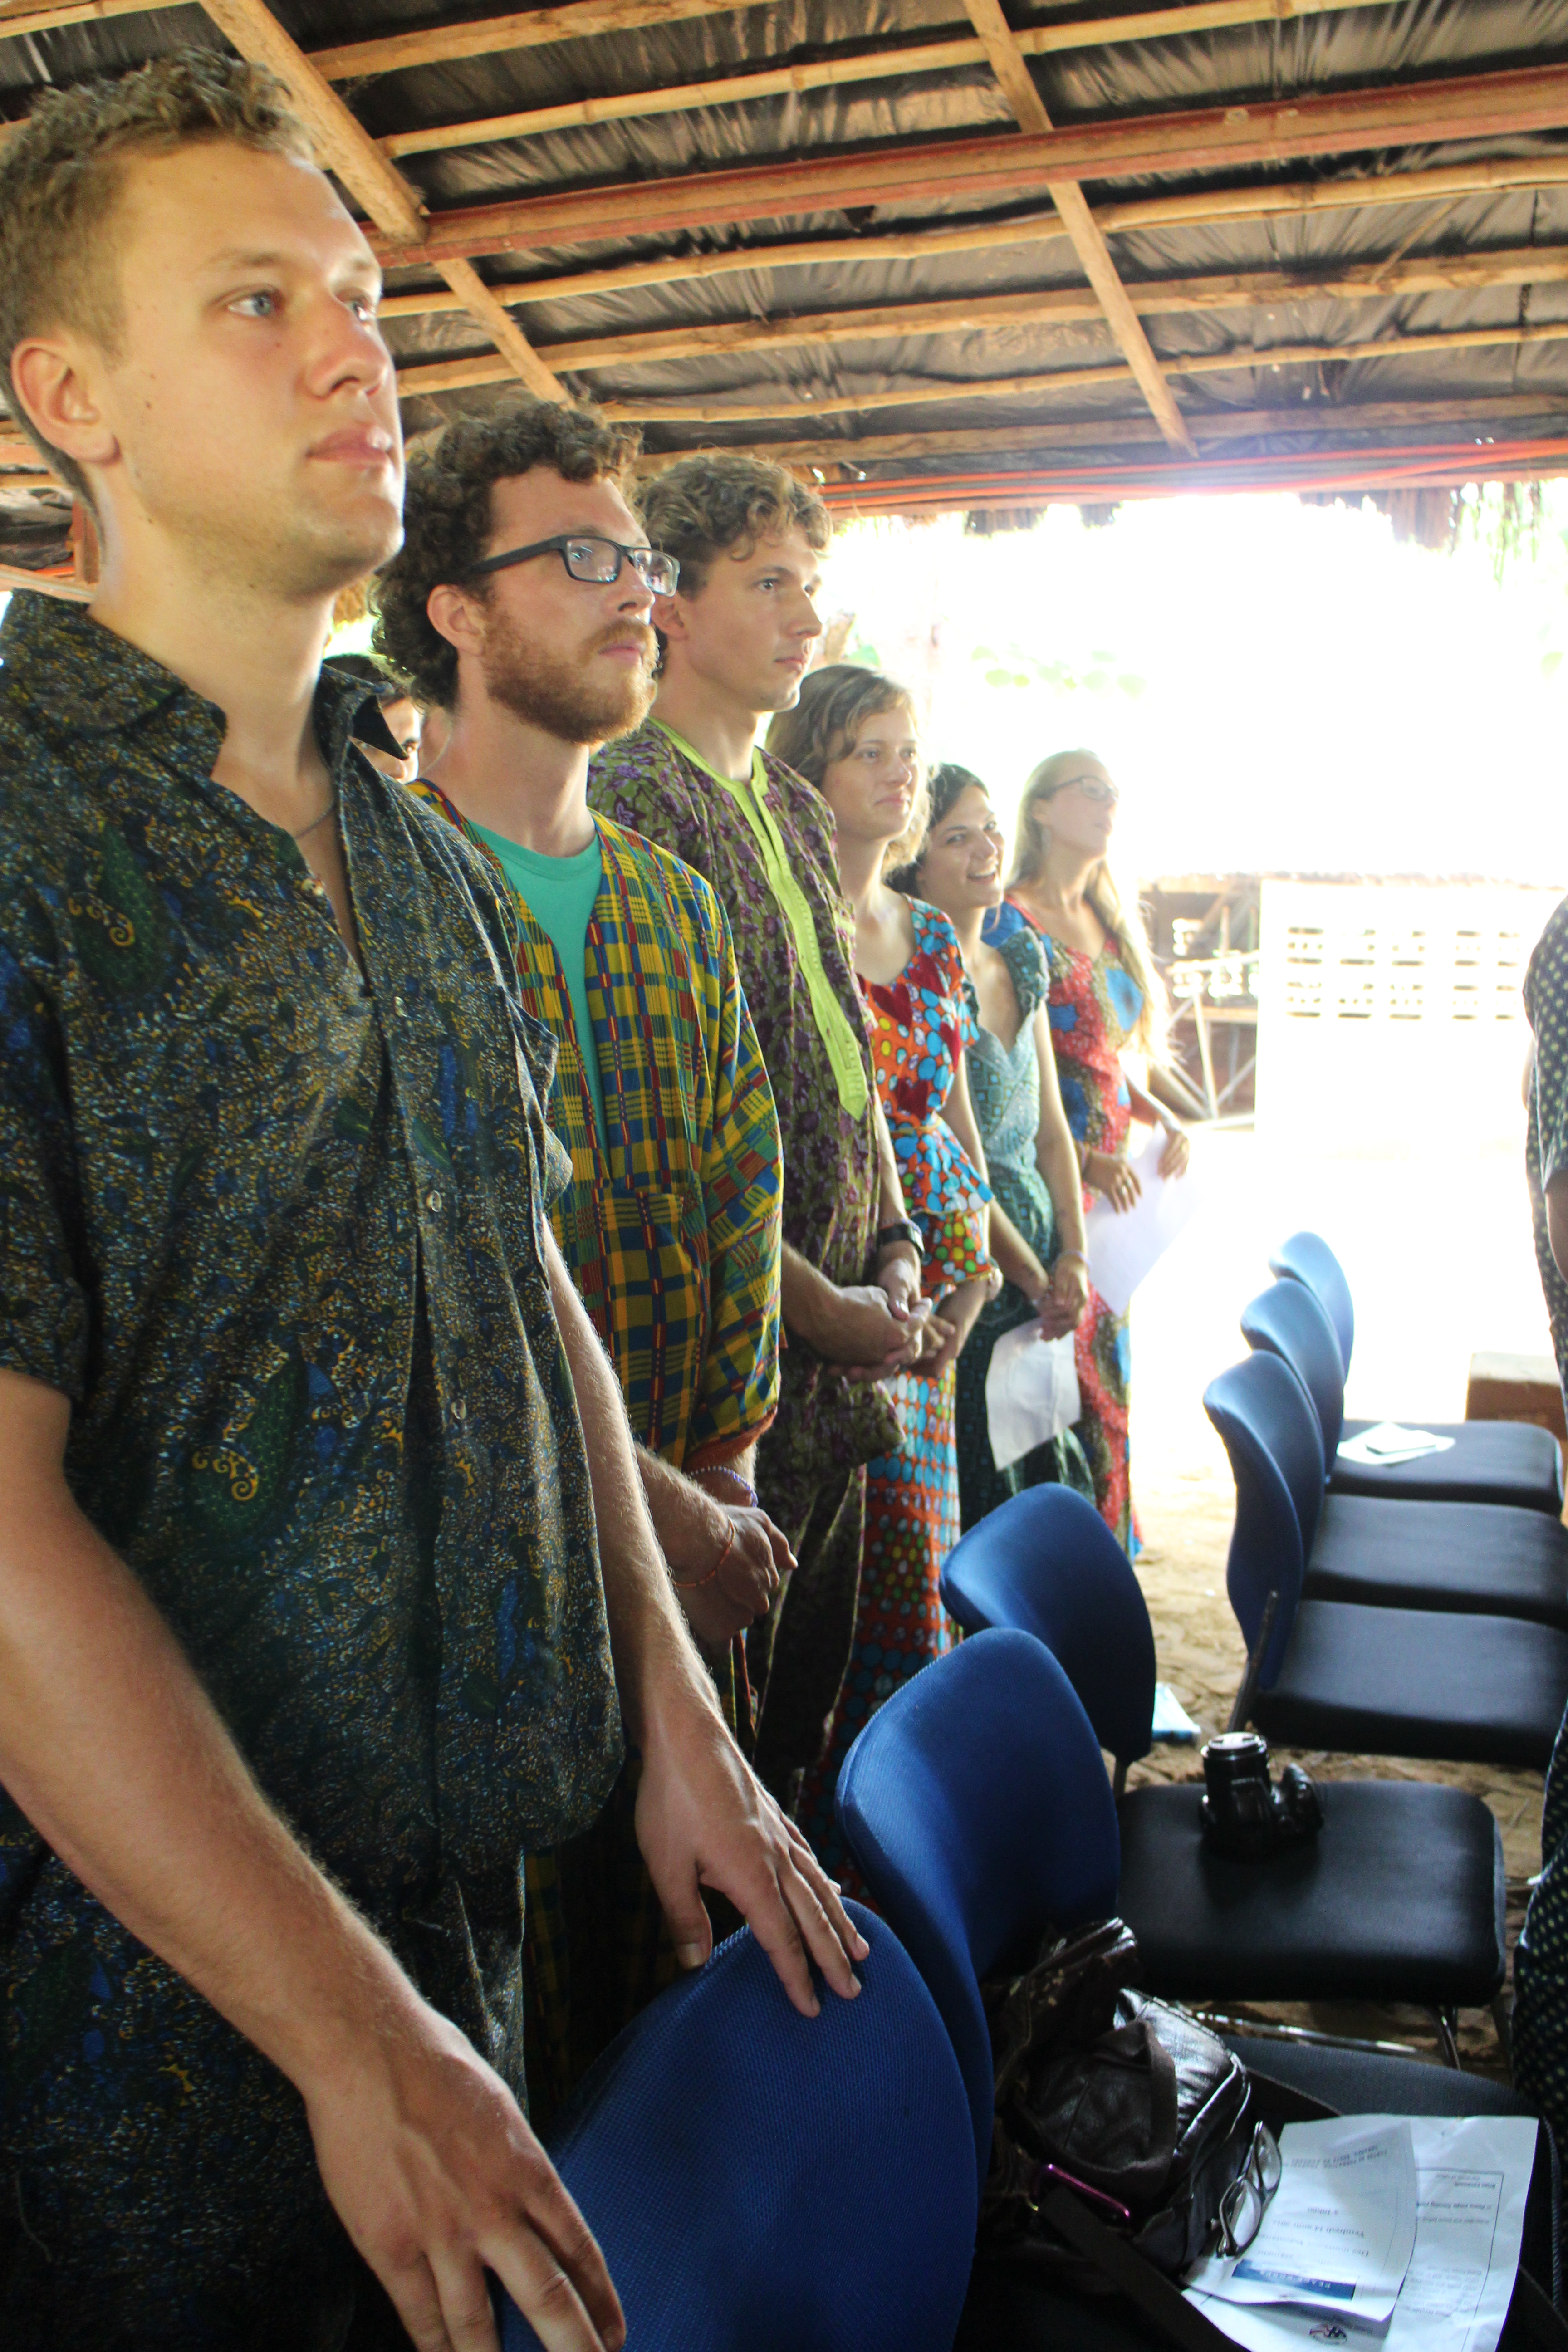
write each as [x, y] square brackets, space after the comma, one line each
[673, 1237]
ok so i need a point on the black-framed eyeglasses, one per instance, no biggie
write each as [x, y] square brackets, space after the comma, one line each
[1246, 2201]
[596, 561]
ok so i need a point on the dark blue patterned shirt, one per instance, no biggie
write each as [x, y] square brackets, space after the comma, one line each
[277, 1230]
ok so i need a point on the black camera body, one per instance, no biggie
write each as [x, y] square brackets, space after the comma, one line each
[1245, 1817]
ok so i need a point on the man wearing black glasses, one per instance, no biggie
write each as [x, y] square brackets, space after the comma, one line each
[521, 605]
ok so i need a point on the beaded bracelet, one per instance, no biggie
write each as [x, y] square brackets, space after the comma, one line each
[722, 1470]
[696, 1583]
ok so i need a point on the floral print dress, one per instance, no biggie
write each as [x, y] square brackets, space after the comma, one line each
[1095, 1003]
[920, 1025]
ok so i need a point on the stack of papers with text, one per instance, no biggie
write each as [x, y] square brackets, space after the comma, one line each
[1387, 2234]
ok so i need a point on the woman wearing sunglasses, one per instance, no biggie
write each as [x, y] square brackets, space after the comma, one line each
[1105, 995]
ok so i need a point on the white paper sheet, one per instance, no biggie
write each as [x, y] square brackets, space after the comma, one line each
[1172, 1720]
[1472, 2179]
[1031, 1391]
[1339, 2230]
[1123, 1248]
[1387, 1442]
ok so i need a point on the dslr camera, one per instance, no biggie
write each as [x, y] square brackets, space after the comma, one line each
[1245, 1817]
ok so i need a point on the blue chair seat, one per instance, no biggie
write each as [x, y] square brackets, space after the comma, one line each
[1489, 1462]
[1398, 1898]
[789, 2184]
[1418, 1682]
[1474, 1557]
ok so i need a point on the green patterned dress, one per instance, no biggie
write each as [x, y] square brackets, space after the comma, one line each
[1004, 1087]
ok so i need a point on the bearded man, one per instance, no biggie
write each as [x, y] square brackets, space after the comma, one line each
[520, 603]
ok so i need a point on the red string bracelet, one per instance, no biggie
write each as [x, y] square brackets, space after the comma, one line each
[696, 1583]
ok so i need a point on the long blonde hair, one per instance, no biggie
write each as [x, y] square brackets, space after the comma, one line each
[1122, 919]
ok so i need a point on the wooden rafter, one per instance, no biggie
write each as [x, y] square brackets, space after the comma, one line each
[1215, 427]
[1231, 362]
[43, 584]
[507, 337]
[839, 71]
[366, 173]
[1008, 64]
[1048, 305]
[341, 142]
[21, 16]
[1484, 106]
[486, 36]
[1282, 200]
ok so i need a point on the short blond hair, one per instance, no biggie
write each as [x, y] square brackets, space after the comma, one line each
[61, 179]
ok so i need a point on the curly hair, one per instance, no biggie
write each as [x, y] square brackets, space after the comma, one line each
[61, 179]
[447, 516]
[718, 498]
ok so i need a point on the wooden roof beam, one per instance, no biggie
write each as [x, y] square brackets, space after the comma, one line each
[745, 410]
[1214, 426]
[365, 171]
[341, 142]
[1485, 106]
[580, 20]
[1048, 305]
[23, 16]
[836, 71]
[533, 28]
[1302, 196]
[1008, 65]
[507, 337]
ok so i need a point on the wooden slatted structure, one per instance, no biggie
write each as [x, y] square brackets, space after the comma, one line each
[972, 252]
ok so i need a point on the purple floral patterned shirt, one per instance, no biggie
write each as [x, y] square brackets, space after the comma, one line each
[831, 1176]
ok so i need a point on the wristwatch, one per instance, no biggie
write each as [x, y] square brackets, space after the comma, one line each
[904, 1230]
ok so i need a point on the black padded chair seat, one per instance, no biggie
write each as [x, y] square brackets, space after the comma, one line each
[1005, 2313]
[1418, 1682]
[1476, 1557]
[1489, 1462]
[1399, 1898]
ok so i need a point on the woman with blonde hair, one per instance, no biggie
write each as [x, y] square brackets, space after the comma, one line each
[1105, 995]
[854, 736]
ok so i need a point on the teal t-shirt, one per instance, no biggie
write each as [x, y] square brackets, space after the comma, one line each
[559, 893]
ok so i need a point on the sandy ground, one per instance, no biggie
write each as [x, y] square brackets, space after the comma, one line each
[1438, 1270]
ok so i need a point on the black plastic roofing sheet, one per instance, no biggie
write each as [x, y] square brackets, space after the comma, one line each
[1508, 394]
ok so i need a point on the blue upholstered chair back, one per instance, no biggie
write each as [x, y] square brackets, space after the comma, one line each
[1046, 1564]
[1306, 1258]
[789, 2184]
[1270, 1433]
[1289, 1320]
[977, 1805]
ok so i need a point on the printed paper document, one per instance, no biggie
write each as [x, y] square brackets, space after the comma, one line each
[1472, 2179]
[1338, 2232]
